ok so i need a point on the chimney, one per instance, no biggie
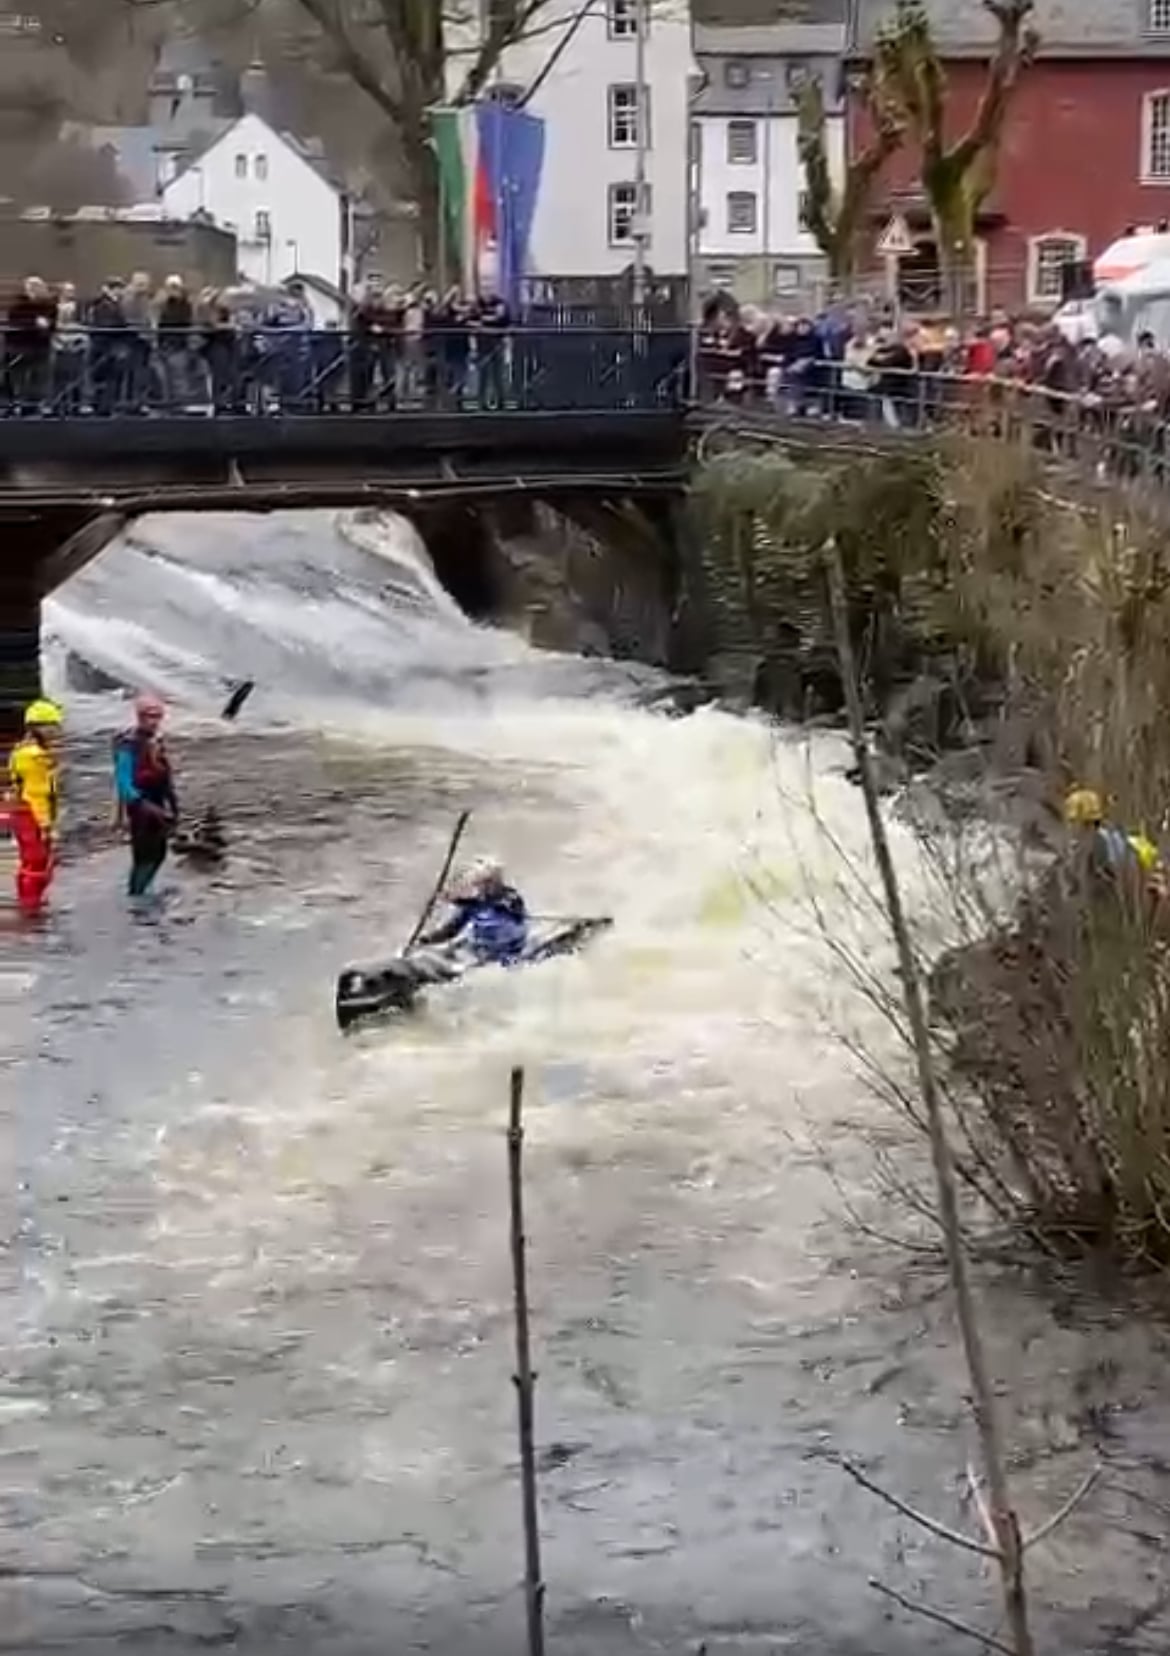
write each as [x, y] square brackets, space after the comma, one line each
[256, 92]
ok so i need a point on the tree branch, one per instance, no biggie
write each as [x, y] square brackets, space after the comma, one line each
[1065, 1511]
[1014, 51]
[354, 62]
[944, 1533]
[509, 23]
[917, 1608]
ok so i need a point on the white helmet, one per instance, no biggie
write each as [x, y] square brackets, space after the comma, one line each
[484, 874]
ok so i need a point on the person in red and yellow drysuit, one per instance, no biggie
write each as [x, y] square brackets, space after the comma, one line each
[32, 804]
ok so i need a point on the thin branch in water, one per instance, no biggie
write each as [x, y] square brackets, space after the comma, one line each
[943, 1531]
[1009, 1552]
[917, 1608]
[981, 1507]
[525, 1377]
[1065, 1511]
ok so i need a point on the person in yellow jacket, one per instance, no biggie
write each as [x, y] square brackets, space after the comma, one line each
[1112, 849]
[32, 795]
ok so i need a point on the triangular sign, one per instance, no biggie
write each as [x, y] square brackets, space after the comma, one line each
[895, 240]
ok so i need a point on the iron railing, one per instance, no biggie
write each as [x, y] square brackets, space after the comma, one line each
[1110, 435]
[263, 371]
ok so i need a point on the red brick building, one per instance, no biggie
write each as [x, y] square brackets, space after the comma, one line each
[1085, 150]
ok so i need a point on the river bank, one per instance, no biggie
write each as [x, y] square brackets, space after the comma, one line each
[256, 1339]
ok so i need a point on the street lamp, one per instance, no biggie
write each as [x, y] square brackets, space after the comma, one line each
[295, 248]
[641, 215]
[768, 76]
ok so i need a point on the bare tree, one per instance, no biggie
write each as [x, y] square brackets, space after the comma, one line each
[957, 174]
[834, 216]
[408, 56]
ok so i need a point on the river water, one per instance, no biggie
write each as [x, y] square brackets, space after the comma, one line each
[257, 1336]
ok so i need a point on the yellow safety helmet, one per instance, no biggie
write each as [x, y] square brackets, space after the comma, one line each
[43, 713]
[1084, 808]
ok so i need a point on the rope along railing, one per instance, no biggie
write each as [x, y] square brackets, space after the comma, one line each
[1112, 437]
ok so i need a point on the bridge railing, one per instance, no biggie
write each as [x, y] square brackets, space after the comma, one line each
[257, 372]
[1109, 436]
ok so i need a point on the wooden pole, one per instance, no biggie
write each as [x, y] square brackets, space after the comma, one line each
[524, 1377]
[1009, 1548]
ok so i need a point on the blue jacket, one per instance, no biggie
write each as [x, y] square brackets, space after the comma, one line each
[496, 927]
[142, 772]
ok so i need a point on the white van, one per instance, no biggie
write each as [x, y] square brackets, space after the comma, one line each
[1132, 282]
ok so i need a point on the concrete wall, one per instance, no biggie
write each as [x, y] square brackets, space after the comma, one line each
[87, 252]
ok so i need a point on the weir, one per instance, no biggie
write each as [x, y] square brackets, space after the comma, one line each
[602, 420]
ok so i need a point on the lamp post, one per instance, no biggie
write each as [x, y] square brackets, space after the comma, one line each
[641, 215]
[696, 83]
[295, 250]
[768, 76]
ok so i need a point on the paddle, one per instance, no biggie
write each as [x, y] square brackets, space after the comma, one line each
[452, 849]
[237, 698]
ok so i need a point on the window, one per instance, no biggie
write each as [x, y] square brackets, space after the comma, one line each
[263, 226]
[721, 275]
[1047, 257]
[623, 116]
[260, 167]
[623, 202]
[742, 143]
[1158, 19]
[736, 74]
[741, 212]
[785, 280]
[622, 17]
[1156, 137]
[508, 94]
[241, 166]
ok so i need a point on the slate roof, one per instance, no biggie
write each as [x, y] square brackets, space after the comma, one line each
[744, 14]
[137, 149]
[1081, 28]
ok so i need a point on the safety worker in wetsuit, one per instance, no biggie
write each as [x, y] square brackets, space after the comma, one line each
[32, 804]
[146, 792]
[487, 914]
[1112, 853]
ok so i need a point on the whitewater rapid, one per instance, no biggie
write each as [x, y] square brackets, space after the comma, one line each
[715, 840]
[256, 1301]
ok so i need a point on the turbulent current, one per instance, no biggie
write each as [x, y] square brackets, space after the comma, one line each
[257, 1324]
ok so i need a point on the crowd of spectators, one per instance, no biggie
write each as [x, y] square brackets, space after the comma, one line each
[860, 362]
[133, 349]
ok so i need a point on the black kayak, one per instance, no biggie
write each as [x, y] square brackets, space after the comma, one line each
[396, 984]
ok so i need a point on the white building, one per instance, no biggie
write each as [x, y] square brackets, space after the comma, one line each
[582, 64]
[287, 216]
[750, 182]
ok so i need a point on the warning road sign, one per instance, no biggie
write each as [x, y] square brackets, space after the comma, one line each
[895, 240]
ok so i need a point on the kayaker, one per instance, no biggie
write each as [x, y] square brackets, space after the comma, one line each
[487, 914]
[32, 804]
[146, 792]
